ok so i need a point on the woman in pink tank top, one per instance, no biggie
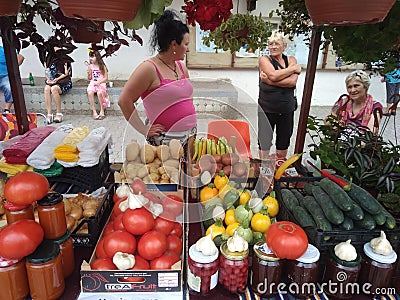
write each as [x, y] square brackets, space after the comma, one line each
[162, 82]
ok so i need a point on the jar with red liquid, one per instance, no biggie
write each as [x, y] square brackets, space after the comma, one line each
[266, 271]
[51, 213]
[18, 212]
[233, 269]
[341, 275]
[45, 272]
[67, 253]
[202, 277]
[376, 270]
[13, 279]
[302, 273]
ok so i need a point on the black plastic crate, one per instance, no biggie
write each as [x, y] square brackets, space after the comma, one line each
[84, 179]
[96, 223]
[323, 240]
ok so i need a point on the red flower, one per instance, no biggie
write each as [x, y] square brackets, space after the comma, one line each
[208, 13]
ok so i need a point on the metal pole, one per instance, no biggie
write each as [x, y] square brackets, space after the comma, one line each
[308, 88]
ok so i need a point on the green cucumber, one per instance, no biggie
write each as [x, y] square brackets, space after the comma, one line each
[347, 223]
[364, 199]
[390, 221]
[337, 194]
[316, 212]
[367, 222]
[356, 212]
[298, 195]
[308, 188]
[303, 218]
[380, 218]
[289, 199]
[331, 211]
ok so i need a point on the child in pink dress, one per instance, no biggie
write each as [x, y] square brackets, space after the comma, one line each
[98, 76]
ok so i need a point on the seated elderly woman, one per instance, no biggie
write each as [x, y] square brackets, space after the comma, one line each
[358, 106]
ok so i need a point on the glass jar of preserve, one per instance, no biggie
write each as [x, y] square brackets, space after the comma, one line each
[302, 273]
[376, 270]
[67, 253]
[202, 275]
[51, 213]
[18, 212]
[45, 272]
[342, 275]
[266, 271]
[13, 279]
[233, 269]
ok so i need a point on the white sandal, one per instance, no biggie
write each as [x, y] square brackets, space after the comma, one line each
[58, 118]
[49, 119]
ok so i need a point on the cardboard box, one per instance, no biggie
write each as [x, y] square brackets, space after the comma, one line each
[151, 282]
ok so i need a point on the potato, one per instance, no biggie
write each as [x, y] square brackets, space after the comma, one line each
[165, 177]
[143, 172]
[147, 154]
[132, 150]
[132, 170]
[163, 152]
[171, 163]
[175, 148]
[67, 206]
[154, 176]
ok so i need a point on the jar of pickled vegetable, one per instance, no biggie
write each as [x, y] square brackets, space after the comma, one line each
[202, 277]
[233, 269]
[376, 270]
[341, 275]
[13, 279]
[51, 213]
[45, 272]
[266, 271]
[67, 253]
[302, 273]
[18, 212]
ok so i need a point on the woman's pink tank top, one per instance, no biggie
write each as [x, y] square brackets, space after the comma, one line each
[171, 103]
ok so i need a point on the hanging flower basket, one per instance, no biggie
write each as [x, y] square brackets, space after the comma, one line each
[100, 10]
[9, 7]
[83, 33]
[348, 12]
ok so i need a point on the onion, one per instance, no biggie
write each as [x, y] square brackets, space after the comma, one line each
[76, 212]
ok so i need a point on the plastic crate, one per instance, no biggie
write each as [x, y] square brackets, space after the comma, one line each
[84, 179]
[323, 240]
[96, 223]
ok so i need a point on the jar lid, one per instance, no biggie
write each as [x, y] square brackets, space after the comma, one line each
[384, 259]
[199, 257]
[46, 251]
[4, 262]
[233, 255]
[13, 207]
[262, 251]
[50, 199]
[310, 256]
[63, 238]
[345, 263]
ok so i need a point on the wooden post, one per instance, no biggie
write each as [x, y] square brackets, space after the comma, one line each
[308, 88]
[14, 75]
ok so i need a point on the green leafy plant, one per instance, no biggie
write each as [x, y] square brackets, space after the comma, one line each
[367, 44]
[356, 153]
[240, 30]
[24, 30]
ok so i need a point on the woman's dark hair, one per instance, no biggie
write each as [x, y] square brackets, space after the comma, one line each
[166, 29]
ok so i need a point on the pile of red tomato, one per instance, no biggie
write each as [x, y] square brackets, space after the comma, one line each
[156, 243]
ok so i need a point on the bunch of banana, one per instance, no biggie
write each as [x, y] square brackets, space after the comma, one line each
[210, 146]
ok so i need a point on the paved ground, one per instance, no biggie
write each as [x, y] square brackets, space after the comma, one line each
[122, 132]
